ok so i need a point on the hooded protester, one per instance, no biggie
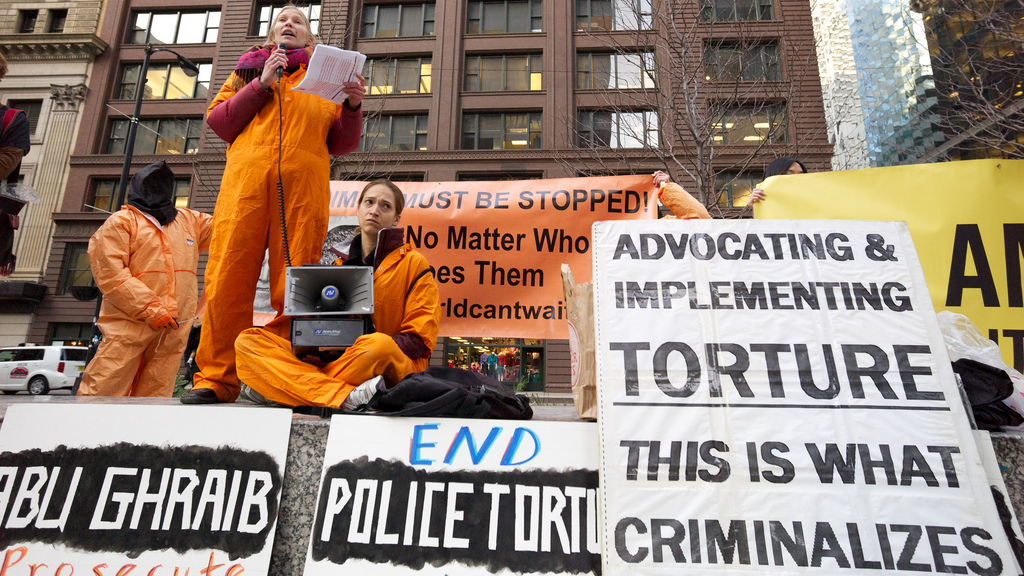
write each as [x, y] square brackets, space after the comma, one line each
[144, 261]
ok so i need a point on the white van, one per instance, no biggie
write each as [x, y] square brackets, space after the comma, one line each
[39, 369]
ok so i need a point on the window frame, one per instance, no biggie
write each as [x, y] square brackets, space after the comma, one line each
[533, 136]
[55, 16]
[370, 72]
[647, 66]
[770, 65]
[123, 85]
[419, 133]
[710, 9]
[587, 138]
[534, 23]
[70, 276]
[94, 188]
[371, 18]
[729, 198]
[27, 17]
[134, 30]
[586, 22]
[313, 9]
[532, 61]
[33, 120]
[193, 129]
[778, 134]
[84, 335]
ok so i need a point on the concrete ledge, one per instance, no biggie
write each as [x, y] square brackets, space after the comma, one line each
[308, 440]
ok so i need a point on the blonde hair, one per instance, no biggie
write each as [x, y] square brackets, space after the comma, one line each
[312, 39]
[3, 66]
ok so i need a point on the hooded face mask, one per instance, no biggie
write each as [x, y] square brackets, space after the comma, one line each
[152, 191]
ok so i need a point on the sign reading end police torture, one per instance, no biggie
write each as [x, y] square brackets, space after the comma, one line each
[109, 490]
[463, 496]
[775, 395]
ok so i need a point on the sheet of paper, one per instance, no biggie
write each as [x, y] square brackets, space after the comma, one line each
[328, 70]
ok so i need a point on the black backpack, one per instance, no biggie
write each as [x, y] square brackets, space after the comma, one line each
[439, 391]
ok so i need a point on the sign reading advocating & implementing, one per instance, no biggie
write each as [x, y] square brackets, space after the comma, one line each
[464, 497]
[775, 396]
[111, 490]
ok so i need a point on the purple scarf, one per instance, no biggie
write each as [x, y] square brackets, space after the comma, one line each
[250, 65]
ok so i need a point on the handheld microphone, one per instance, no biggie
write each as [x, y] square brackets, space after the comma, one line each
[280, 69]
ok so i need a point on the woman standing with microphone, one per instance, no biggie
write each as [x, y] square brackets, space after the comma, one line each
[277, 138]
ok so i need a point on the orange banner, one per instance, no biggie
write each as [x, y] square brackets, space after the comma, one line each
[497, 247]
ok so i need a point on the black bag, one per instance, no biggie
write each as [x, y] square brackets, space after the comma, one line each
[439, 391]
[986, 387]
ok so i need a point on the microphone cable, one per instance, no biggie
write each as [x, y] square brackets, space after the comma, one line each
[280, 178]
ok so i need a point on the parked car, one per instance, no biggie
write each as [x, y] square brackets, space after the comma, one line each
[39, 369]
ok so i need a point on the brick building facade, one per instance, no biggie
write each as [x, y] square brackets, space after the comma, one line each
[469, 90]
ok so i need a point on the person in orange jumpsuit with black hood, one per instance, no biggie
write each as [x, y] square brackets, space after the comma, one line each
[247, 218]
[144, 260]
[406, 316]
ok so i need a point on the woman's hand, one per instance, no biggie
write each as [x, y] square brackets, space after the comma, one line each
[659, 178]
[355, 91]
[278, 59]
[756, 195]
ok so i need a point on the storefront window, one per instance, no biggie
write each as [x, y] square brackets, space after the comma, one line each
[515, 362]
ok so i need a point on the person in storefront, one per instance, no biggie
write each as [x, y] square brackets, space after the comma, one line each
[406, 316]
[270, 156]
[682, 204]
[144, 260]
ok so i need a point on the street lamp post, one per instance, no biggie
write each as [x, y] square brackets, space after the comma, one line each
[190, 70]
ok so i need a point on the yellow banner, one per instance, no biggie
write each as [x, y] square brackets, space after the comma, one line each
[966, 219]
[498, 247]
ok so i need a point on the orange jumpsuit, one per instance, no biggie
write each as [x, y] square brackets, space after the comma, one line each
[681, 203]
[266, 362]
[143, 272]
[246, 219]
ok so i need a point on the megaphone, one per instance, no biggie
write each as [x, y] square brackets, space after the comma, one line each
[330, 306]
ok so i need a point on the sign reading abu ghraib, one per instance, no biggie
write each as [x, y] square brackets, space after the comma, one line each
[118, 490]
[775, 397]
[456, 497]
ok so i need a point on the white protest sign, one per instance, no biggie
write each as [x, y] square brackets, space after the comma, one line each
[109, 490]
[460, 497]
[775, 396]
